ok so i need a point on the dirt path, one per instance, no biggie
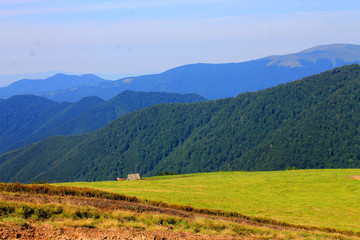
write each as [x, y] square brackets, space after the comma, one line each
[102, 204]
[106, 205]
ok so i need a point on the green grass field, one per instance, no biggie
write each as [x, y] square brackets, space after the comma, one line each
[322, 198]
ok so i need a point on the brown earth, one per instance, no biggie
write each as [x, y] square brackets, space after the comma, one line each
[46, 230]
[357, 177]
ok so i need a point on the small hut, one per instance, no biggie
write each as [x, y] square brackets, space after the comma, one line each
[133, 177]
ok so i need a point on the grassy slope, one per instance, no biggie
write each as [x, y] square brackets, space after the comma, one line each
[323, 198]
[43, 212]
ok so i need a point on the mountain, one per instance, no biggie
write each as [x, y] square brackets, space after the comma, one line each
[28, 119]
[54, 83]
[337, 54]
[309, 123]
[215, 81]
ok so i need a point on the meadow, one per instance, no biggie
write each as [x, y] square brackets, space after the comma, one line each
[322, 198]
[39, 211]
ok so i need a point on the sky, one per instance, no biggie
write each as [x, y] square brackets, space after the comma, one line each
[115, 39]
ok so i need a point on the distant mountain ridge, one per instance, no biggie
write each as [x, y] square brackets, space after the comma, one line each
[25, 119]
[57, 82]
[309, 123]
[338, 54]
[214, 81]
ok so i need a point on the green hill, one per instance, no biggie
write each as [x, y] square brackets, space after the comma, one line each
[310, 123]
[31, 121]
[18, 110]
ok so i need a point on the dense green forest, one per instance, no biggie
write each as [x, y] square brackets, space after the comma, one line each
[309, 123]
[27, 119]
[19, 110]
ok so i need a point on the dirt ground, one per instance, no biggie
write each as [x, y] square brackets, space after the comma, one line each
[357, 177]
[46, 231]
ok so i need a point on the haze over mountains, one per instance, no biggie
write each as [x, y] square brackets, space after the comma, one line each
[212, 81]
[310, 123]
[57, 82]
[25, 119]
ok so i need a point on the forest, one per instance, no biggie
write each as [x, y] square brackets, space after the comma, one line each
[309, 123]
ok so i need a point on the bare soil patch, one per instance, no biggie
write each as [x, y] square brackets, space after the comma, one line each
[47, 231]
[357, 177]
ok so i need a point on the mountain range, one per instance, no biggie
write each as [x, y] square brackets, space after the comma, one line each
[213, 81]
[309, 123]
[57, 82]
[25, 119]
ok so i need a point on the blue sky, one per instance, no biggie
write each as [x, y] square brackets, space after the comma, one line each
[119, 38]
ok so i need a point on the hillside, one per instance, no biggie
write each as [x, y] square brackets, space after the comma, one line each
[31, 121]
[310, 123]
[213, 81]
[18, 110]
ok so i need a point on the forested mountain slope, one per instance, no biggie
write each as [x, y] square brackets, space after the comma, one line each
[310, 123]
[18, 110]
[27, 119]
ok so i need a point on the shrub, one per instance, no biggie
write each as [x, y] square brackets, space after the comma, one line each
[6, 209]
[27, 211]
[86, 213]
[40, 182]
[167, 173]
